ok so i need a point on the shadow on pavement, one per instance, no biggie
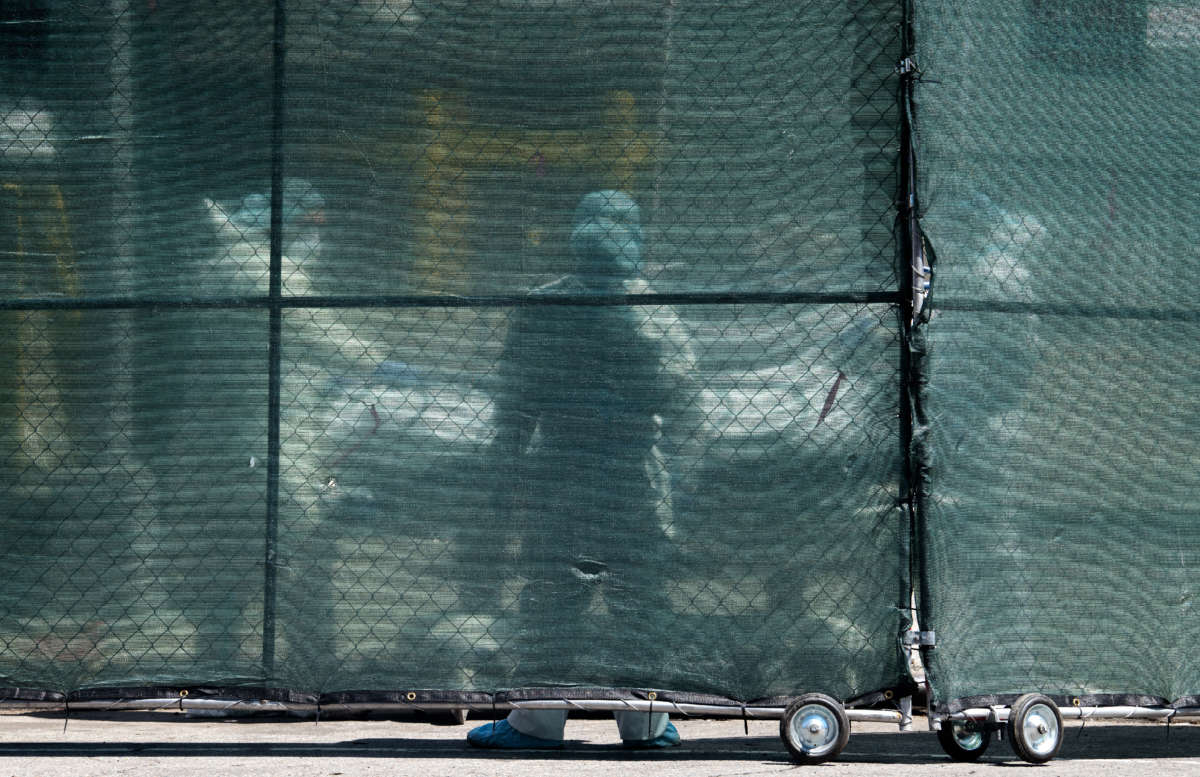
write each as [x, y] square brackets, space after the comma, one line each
[1092, 742]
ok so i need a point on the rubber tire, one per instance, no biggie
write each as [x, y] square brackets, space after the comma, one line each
[954, 748]
[1015, 728]
[840, 719]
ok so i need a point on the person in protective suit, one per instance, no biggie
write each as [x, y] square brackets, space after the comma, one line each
[576, 424]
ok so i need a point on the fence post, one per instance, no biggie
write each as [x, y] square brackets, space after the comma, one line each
[274, 344]
[914, 273]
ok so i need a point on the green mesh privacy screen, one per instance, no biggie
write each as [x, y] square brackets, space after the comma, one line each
[1058, 147]
[317, 377]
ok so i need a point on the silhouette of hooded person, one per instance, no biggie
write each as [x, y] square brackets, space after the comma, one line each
[576, 423]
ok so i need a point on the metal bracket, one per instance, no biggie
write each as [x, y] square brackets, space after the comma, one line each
[997, 715]
[907, 66]
[920, 639]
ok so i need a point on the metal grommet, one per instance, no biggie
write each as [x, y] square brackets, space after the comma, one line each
[183, 693]
[1076, 702]
[410, 696]
[888, 695]
[652, 696]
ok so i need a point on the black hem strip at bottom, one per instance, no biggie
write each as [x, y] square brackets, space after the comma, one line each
[1067, 702]
[416, 697]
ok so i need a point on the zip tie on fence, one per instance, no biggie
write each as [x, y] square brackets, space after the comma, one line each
[66, 713]
[650, 716]
[745, 721]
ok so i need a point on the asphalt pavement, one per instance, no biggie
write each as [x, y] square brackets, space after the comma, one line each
[48, 744]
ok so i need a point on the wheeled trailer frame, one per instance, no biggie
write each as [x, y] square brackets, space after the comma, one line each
[1033, 725]
[814, 727]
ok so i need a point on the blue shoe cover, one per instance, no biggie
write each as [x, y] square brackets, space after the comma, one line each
[501, 735]
[668, 738]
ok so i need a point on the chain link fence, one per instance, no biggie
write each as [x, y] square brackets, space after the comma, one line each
[1060, 534]
[357, 349]
[321, 379]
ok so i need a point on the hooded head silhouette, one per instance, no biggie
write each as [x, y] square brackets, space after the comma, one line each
[606, 238]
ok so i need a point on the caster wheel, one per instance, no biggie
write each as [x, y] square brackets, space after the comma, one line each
[964, 740]
[814, 728]
[1035, 728]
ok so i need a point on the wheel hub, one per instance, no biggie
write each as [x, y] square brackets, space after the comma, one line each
[1041, 730]
[968, 737]
[816, 728]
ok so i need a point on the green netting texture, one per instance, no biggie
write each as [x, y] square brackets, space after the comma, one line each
[1058, 142]
[453, 444]
[505, 553]
[760, 136]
